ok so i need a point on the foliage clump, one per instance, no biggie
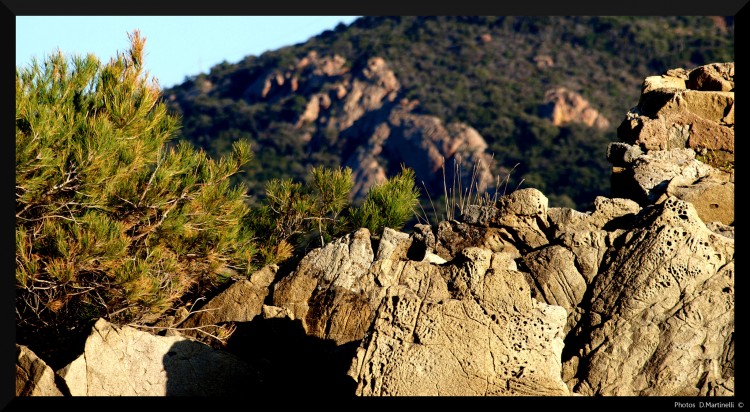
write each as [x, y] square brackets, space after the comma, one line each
[113, 219]
[311, 214]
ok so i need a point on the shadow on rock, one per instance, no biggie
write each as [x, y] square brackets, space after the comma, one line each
[289, 360]
[194, 369]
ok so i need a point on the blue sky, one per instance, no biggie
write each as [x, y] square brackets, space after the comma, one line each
[176, 46]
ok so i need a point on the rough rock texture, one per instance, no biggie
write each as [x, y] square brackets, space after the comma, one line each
[713, 77]
[653, 171]
[556, 280]
[712, 196]
[33, 376]
[564, 106]
[472, 331]
[648, 176]
[377, 129]
[123, 361]
[590, 235]
[329, 291]
[240, 302]
[662, 313]
[632, 298]
[516, 223]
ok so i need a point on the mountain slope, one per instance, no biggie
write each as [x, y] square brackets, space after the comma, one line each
[342, 97]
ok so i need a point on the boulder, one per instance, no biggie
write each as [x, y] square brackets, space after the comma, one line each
[712, 196]
[330, 290]
[124, 361]
[563, 106]
[712, 77]
[649, 175]
[240, 302]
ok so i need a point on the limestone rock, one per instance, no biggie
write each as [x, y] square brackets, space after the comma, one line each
[622, 154]
[394, 245]
[721, 229]
[33, 376]
[123, 361]
[682, 109]
[679, 130]
[556, 280]
[590, 235]
[712, 77]
[520, 219]
[453, 237]
[487, 337]
[330, 289]
[711, 106]
[240, 302]
[712, 196]
[651, 173]
[662, 313]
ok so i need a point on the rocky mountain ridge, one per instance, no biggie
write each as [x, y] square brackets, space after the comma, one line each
[634, 298]
[544, 93]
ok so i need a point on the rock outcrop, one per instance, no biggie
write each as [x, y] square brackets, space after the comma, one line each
[632, 298]
[474, 330]
[563, 106]
[662, 312]
[360, 112]
[693, 109]
[679, 141]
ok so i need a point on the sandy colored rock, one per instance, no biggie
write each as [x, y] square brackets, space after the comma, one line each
[556, 280]
[123, 361]
[393, 245]
[453, 237]
[662, 313]
[652, 83]
[330, 289]
[711, 106]
[712, 77]
[678, 130]
[652, 172]
[520, 219]
[712, 196]
[240, 302]
[33, 376]
[563, 106]
[488, 338]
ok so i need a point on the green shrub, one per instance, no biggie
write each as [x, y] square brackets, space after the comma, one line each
[300, 216]
[390, 204]
[112, 219]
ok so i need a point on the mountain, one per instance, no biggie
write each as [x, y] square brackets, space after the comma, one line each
[521, 101]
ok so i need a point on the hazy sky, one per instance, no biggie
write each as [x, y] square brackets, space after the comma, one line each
[176, 46]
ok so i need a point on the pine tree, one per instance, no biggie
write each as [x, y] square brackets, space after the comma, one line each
[113, 219]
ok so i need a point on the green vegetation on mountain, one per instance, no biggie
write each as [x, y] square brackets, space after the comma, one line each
[488, 72]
